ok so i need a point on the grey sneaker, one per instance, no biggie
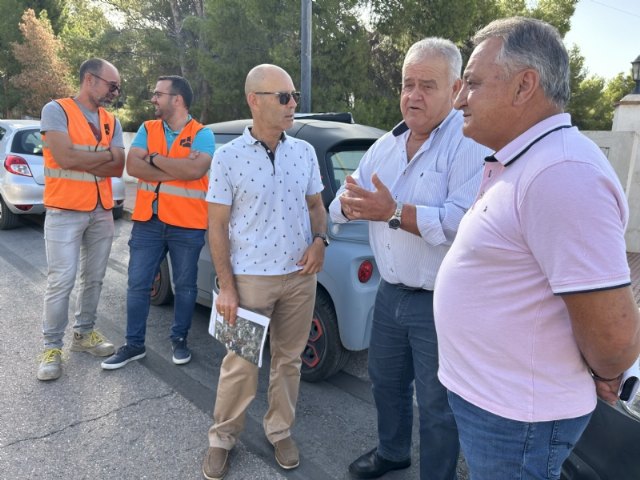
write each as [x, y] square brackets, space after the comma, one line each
[287, 454]
[93, 342]
[181, 353]
[216, 463]
[50, 364]
[124, 355]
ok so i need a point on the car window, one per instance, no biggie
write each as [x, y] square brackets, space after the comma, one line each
[3, 131]
[222, 138]
[27, 142]
[343, 163]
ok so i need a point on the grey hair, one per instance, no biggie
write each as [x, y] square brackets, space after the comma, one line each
[531, 43]
[435, 46]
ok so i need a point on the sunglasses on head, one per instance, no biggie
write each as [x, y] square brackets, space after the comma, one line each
[283, 97]
[113, 87]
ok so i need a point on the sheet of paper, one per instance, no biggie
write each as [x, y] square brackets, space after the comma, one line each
[246, 338]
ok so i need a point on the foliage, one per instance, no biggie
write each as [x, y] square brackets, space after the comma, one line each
[83, 34]
[593, 99]
[43, 75]
[12, 11]
[357, 50]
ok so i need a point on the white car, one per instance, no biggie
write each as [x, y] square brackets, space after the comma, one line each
[22, 173]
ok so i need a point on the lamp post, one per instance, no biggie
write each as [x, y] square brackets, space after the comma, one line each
[635, 74]
[305, 56]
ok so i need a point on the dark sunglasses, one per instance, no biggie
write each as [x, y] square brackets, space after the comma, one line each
[113, 87]
[283, 97]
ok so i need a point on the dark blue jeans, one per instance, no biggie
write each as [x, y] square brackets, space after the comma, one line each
[149, 243]
[497, 448]
[404, 352]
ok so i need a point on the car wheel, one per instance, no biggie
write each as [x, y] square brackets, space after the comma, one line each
[161, 293]
[117, 212]
[8, 219]
[324, 354]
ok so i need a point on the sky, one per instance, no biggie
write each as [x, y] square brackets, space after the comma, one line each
[608, 34]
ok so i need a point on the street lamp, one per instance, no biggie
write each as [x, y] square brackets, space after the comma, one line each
[635, 74]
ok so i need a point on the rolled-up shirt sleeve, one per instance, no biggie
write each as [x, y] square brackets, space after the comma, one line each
[438, 224]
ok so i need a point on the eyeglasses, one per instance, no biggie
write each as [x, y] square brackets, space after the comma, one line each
[283, 97]
[113, 86]
[159, 94]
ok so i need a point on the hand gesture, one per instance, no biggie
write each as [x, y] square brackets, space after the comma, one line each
[360, 203]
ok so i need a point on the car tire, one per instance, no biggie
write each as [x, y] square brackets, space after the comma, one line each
[8, 219]
[324, 354]
[117, 212]
[161, 292]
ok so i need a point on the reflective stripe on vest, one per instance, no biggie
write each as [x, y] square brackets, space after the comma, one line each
[171, 190]
[71, 175]
[83, 148]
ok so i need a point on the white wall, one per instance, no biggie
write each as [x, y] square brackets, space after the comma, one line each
[623, 151]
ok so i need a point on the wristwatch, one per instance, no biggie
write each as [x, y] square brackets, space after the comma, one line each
[151, 157]
[396, 220]
[324, 238]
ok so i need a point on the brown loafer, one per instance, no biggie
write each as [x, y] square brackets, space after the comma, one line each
[216, 463]
[287, 454]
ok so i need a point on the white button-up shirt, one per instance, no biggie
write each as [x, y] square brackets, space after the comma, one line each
[269, 226]
[441, 180]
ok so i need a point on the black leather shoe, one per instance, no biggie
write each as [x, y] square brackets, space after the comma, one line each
[372, 465]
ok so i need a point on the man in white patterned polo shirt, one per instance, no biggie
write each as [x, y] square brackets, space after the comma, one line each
[267, 227]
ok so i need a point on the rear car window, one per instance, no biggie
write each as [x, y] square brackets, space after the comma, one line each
[222, 138]
[343, 163]
[27, 142]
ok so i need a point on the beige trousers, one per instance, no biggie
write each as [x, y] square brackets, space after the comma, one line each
[288, 300]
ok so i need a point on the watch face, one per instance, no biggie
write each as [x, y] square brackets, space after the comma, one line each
[394, 223]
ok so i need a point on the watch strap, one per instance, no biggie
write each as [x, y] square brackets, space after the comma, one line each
[396, 219]
[323, 237]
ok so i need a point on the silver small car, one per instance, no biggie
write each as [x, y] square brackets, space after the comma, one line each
[22, 173]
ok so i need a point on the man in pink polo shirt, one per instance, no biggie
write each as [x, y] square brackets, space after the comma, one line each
[533, 309]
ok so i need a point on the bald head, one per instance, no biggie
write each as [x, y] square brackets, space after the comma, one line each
[262, 75]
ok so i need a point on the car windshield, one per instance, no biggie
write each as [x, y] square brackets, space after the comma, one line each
[27, 142]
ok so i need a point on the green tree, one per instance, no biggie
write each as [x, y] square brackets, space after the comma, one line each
[84, 32]
[8, 67]
[39, 58]
[593, 99]
[12, 11]
[399, 23]
[269, 32]
[618, 87]
[153, 38]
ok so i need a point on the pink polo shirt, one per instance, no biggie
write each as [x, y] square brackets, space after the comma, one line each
[548, 220]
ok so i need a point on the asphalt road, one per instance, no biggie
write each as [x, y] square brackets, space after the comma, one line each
[149, 419]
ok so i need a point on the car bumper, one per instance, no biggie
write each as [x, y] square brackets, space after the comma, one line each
[23, 197]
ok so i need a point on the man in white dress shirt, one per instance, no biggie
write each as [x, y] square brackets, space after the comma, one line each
[413, 185]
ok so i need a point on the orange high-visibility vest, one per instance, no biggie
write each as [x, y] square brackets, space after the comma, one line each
[75, 189]
[180, 203]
